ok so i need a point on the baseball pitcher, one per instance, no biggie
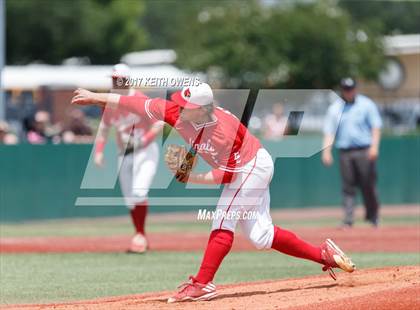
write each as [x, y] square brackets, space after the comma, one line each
[239, 161]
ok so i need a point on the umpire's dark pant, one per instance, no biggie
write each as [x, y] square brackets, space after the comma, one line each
[358, 171]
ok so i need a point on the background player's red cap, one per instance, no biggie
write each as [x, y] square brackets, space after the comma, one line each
[194, 97]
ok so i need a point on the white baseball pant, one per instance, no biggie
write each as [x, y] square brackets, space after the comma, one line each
[249, 192]
[137, 172]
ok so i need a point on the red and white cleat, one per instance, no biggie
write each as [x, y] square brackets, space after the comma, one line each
[334, 257]
[138, 244]
[194, 291]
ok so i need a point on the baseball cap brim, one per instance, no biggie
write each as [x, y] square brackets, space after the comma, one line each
[348, 87]
[179, 100]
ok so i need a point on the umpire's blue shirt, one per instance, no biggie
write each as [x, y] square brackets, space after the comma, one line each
[352, 123]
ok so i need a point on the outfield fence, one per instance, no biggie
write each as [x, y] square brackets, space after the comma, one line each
[43, 182]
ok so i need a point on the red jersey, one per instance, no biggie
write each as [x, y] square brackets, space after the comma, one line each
[127, 124]
[224, 143]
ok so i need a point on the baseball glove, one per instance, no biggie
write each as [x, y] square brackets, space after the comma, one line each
[180, 161]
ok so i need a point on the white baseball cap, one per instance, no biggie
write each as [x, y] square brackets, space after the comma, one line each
[121, 70]
[194, 97]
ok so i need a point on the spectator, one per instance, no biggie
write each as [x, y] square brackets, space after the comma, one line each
[39, 129]
[77, 129]
[275, 123]
[6, 136]
[354, 123]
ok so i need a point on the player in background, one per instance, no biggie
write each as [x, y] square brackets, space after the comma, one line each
[241, 163]
[139, 154]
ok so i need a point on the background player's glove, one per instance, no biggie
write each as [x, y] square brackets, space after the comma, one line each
[180, 161]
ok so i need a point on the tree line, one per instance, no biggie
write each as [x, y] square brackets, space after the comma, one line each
[299, 44]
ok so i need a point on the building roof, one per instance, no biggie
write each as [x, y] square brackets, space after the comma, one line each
[402, 44]
[93, 77]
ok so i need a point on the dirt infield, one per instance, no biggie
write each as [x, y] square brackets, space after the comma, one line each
[386, 239]
[387, 288]
[360, 239]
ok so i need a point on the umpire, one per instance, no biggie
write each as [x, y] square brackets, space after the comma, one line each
[353, 124]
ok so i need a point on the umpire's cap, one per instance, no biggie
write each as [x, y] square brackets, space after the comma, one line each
[347, 83]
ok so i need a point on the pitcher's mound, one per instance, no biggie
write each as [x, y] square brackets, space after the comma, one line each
[386, 288]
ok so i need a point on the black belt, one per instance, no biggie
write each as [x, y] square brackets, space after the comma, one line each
[128, 150]
[357, 148]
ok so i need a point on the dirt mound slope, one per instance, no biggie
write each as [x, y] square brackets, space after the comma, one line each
[387, 288]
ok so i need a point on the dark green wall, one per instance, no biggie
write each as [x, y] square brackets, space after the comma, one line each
[38, 182]
[306, 182]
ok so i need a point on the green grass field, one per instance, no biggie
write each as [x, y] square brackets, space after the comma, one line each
[37, 278]
[40, 278]
[122, 226]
